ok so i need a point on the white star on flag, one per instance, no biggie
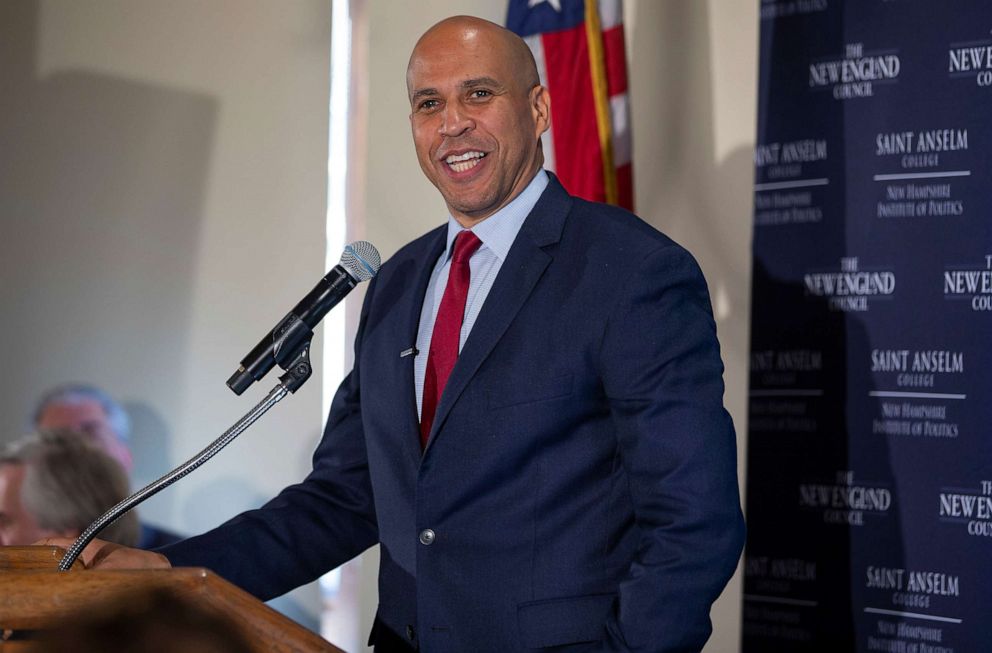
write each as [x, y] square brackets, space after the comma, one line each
[555, 4]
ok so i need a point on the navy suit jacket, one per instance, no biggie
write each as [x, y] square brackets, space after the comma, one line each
[580, 479]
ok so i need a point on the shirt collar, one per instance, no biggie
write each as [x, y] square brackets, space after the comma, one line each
[498, 231]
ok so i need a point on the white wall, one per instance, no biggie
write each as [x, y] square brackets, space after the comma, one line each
[693, 78]
[162, 196]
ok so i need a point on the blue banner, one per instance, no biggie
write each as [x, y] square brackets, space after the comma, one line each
[869, 490]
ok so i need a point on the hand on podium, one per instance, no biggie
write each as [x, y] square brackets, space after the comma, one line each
[100, 554]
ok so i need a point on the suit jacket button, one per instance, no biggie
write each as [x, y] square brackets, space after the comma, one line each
[427, 537]
[411, 634]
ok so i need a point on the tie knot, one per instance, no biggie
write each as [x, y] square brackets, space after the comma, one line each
[466, 243]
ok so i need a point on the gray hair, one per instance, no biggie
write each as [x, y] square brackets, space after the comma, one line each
[69, 483]
[71, 393]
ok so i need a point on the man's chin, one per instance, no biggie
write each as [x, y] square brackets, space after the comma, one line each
[470, 201]
[472, 212]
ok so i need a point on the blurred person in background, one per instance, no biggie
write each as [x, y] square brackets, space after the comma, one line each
[56, 484]
[90, 412]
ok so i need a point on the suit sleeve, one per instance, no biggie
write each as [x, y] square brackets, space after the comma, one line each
[310, 527]
[662, 374]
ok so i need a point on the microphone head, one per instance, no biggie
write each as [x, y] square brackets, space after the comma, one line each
[361, 260]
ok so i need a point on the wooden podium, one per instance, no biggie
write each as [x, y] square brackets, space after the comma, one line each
[35, 596]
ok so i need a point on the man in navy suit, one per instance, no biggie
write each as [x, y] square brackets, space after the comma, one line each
[533, 430]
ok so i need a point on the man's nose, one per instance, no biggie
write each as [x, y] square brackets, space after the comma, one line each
[454, 121]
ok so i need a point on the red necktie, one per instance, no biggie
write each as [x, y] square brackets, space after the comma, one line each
[447, 330]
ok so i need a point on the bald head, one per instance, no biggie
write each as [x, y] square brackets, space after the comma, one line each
[477, 34]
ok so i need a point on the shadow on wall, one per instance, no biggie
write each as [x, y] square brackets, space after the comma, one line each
[102, 186]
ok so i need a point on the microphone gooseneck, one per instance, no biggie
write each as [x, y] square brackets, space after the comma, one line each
[288, 345]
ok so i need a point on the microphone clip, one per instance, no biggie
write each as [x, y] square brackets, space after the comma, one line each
[288, 346]
[291, 350]
[298, 370]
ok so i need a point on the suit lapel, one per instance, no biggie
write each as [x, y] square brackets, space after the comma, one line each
[424, 263]
[520, 272]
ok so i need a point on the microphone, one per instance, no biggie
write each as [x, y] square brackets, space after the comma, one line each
[359, 262]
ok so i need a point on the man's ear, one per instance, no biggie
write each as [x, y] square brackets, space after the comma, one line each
[540, 106]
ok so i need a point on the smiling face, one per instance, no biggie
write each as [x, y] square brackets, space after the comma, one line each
[477, 113]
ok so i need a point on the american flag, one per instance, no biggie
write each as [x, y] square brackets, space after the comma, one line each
[579, 48]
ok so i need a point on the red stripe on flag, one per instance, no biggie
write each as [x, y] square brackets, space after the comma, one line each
[616, 60]
[578, 161]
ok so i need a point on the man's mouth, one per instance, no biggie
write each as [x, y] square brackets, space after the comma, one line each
[463, 162]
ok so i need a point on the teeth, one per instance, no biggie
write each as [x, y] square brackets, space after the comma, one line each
[464, 165]
[464, 157]
[464, 162]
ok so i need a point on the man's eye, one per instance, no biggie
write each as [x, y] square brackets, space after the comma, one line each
[481, 93]
[427, 105]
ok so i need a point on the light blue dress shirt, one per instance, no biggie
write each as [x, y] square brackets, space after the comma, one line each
[497, 233]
